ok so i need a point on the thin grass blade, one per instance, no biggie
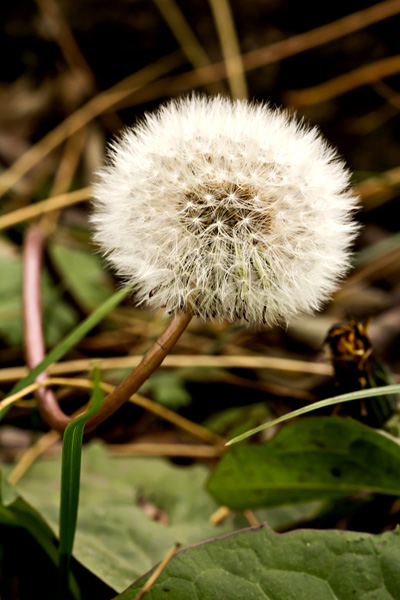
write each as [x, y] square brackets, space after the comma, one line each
[360, 395]
[70, 483]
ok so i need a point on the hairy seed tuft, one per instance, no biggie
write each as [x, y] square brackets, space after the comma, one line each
[226, 208]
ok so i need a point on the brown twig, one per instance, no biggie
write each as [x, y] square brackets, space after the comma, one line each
[274, 52]
[226, 30]
[378, 116]
[251, 518]
[321, 35]
[181, 361]
[345, 83]
[71, 156]
[378, 189]
[161, 411]
[162, 449]
[183, 33]
[45, 206]
[208, 74]
[83, 115]
[156, 573]
[388, 93]
[63, 36]
[31, 455]
[375, 269]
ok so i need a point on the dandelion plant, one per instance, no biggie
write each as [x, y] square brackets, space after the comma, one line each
[227, 209]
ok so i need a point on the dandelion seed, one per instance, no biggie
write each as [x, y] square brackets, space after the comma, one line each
[249, 217]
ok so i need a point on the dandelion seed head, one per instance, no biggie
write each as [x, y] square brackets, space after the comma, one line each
[227, 208]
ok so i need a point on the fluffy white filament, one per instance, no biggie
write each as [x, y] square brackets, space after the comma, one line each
[230, 209]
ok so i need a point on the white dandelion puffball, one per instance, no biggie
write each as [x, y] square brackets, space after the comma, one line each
[225, 208]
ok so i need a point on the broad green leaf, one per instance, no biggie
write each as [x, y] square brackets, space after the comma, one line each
[258, 564]
[70, 482]
[370, 393]
[118, 538]
[310, 459]
[83, 273]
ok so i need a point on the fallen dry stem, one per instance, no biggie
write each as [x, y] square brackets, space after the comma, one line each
[81, 117]
[185, 36]
[64, 37]
[226, 30]
[388, 93]
[251, 518]
[64, 176]
[376, 190]
[44, 207]
[345, 83]
[374, 269]
[48, 439]
[156, 449]
[32, 454]
[208, 74]
[157, 572]
[194, 429]
[181, 361]
[274, 52]
[219, 515]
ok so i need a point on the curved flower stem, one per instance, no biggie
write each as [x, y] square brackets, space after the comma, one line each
[33, 330]
[149, 363]
[35, 349]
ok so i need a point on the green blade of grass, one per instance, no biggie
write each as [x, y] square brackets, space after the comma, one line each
[370, 393]
[70, 341]
[70, 483]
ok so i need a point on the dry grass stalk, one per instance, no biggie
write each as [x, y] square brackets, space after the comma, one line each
[45, 206]
[180, 361]
[81, 117]
[161, 411]
[228, 38]
[345, 83]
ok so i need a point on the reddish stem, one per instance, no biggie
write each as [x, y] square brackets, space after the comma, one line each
[33, 330]
[35, 348]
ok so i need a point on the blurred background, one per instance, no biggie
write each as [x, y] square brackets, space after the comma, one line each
[72, 75]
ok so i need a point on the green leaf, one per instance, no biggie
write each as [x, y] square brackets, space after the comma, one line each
[370, 393]
[83, 273]
[258, 564]
[70, 481]
[167, 389]
[310, 459]
[70, 341]
[132, 510]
